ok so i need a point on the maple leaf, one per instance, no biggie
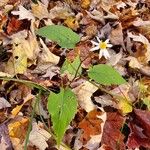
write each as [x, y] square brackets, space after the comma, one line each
[91, 125]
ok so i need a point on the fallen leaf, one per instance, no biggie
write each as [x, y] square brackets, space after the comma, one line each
[3, 74]
[72, 23]
[84, 93]
[20, 58]
[95, 140]
[139, 130]
[85, 3]
[47, 56]
[144, 41]
[38, 136]
[112, 137]
[39, 10]
[91, 125]
[4, 103]
[17, 109]
[61, 11]
[5, 143]
[23, 13]
[17, 131]
[116, 36]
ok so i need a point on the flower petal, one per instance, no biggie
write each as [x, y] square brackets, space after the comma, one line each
[100, 54]
[107, 41]
[109, 45]
[98, 39]
[94, 48]
[106, 55]
[95, 43]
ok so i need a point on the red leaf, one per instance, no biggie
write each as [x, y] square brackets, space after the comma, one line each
[91, 125]
[112, 137]
[140, 130]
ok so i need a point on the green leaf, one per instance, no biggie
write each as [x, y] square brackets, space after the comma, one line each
[62, 108]
[105, 75]
[64, 36]
[72, 67]
[146, 101]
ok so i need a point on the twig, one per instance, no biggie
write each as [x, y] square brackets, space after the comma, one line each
[31, 120]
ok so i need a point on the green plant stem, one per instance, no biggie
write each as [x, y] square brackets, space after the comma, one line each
[31, 120]
[28, 83]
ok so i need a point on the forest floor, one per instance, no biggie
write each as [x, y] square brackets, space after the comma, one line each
[75, 75]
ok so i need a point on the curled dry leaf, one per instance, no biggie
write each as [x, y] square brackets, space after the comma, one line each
[84, 93]
[47, 56]
[144, 41]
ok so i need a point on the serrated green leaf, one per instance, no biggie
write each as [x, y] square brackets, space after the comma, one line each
[64, 36]
[62, 108]
[71, 67]
[105, 75]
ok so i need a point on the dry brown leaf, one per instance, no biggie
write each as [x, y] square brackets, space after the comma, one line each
[17, 109]
[4, 103]
[47, 56]
[91, 125]
[84, 93]
[116, 36]
[23, 13]
[61, 11]
[38, 136]
[39, 10]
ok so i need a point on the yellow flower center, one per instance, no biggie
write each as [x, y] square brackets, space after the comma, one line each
[102, 45]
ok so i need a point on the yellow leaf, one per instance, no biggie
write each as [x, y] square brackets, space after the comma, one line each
[17, 109]
[17, 129]
[125, 106]
[85, 3]
[20, 58]
[72, 23]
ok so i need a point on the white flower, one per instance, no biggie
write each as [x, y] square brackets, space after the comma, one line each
[102, 46]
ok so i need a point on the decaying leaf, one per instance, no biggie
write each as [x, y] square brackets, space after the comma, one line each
[84, 93]
[139, 130]
[38, 136]
[91, 125]
[47, 56]
[4, 103]
[39, 10]
[61, 11]
[144, 41]
[5, 142]
[17, 109]
[23, 13]
[112, 137]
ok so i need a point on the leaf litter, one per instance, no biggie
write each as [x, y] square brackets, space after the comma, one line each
[94, 102]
